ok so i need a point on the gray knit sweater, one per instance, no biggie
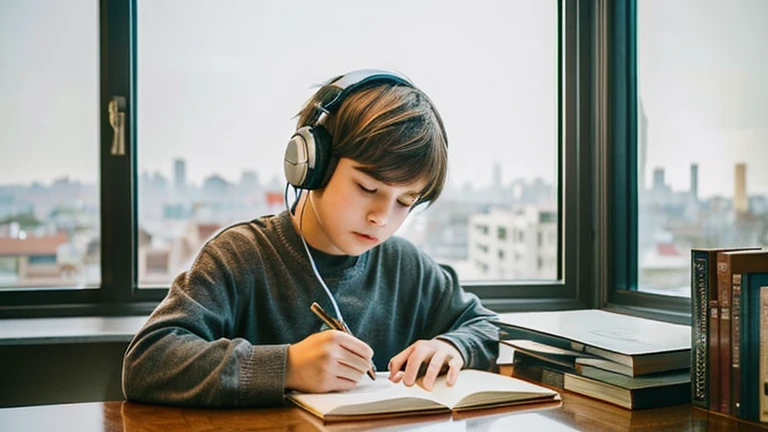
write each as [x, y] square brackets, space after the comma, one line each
[220, 337]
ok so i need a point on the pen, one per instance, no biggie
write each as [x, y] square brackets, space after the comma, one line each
[337, 325]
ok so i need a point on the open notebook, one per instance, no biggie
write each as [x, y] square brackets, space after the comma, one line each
[381, 398]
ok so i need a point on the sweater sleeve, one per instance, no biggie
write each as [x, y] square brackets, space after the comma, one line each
[187, 353]
[459, 318]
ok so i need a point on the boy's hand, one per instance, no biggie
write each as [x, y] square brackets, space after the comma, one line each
[327, 361]
[437, 353]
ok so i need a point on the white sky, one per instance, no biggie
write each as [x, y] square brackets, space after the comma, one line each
[219, 83]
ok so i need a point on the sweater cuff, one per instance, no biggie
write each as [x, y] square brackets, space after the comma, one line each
[262, 376]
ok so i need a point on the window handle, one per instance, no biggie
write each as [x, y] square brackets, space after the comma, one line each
[117, 121]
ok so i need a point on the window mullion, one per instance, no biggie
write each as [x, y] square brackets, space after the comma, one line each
[117, 159]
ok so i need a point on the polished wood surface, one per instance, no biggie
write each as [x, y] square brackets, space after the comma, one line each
[574, 413]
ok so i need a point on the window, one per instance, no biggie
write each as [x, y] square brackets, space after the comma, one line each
[206, 115]
[49, 126]
[215, 110]
[701, 134]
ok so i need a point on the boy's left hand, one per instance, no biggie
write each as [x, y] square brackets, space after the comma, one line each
[437, 353]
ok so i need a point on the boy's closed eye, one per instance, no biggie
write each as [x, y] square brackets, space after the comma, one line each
[410, 197]
[365, 189]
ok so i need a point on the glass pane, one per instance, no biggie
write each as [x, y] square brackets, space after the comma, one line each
[219, 84]
[49, 133]
[702, 134]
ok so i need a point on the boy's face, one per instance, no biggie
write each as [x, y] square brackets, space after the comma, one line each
[355, 212]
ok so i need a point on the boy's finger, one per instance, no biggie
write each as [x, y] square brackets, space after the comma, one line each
[415, 360]
[352, 370]
[397, 362]
[398, 376]
[356, 346]
[435, 365]
[354, 361]
[453, 371]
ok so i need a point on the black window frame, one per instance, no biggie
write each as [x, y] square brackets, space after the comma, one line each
[119, 294]
[616, 166]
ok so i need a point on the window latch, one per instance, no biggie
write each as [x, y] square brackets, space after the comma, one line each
[117, 121]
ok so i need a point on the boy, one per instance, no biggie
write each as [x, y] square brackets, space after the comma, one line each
[237, 330]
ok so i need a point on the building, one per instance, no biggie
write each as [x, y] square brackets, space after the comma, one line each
[35, 260]
[168, 249]
[740, 202]
[179, 175]
[695, 181]
[514, 244]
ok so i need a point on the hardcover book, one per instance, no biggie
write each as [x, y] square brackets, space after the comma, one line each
[762, 381]
[644, 346]
[649, 391]
[554, 355]
[473, 389]
[567, 359]
[604, 364]
[751, 391]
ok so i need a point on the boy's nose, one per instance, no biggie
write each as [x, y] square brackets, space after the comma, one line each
[378, 215]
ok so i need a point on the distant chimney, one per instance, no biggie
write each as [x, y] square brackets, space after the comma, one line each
[695, 181]
[658, 179]
[740, 202]
[179, 175]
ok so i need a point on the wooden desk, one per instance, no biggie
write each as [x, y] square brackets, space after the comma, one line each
[575, 413]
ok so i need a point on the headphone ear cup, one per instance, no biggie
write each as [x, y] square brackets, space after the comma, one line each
[297, 157]
[319, 176]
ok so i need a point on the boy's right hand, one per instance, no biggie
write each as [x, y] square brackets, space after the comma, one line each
[327, 361]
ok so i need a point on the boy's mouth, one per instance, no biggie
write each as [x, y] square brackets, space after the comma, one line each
[366, 237]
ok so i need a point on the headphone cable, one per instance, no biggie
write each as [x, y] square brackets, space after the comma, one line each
[309, 254]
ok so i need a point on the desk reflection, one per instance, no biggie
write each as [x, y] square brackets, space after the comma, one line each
[575, 413]
[147, 418]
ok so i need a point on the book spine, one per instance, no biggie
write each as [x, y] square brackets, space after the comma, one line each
[748, 393]
[751, 390]
[736, 330]
[542, 375]
[699, 330]
[763, 368]
[714, 353]
[724, 297]
[750, 341]
[537, 370]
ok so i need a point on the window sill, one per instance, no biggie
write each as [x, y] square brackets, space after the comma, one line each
[39, 331]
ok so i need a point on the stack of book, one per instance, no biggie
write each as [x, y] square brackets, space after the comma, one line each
[729, 359]
[628, 361]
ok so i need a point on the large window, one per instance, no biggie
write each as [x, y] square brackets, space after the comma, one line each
[134, 130]
[219, 84]
[49, 135]
[702, 134]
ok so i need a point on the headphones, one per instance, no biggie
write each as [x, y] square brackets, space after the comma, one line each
[308, 161]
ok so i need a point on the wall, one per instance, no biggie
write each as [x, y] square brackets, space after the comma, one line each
[60, 373]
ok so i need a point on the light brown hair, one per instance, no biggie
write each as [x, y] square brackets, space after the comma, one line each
[392, 130]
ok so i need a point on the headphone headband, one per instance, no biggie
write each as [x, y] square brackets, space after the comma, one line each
[308, 162]
[354, 80]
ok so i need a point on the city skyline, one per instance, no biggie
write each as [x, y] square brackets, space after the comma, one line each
[740, 170]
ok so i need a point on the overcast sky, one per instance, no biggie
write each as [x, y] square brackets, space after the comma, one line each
[220, 82]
